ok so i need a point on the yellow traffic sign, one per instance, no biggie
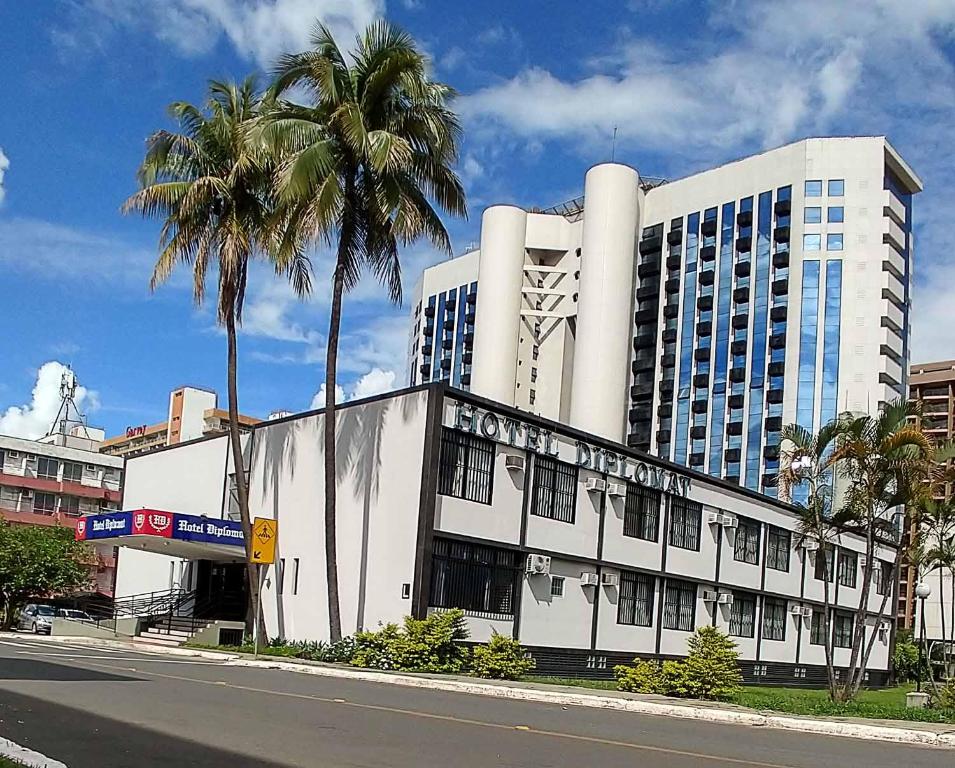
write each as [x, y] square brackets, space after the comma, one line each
[265, 531]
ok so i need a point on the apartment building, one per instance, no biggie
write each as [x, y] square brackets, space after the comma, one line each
[193, 412]
[690, 318]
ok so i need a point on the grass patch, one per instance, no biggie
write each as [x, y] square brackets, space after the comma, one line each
[603, 685]
[6, 762]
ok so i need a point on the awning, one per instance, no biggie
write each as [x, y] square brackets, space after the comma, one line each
[193, 537]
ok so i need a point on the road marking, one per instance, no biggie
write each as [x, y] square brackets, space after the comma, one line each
[115, 658]
[26, 756]
[469, 721]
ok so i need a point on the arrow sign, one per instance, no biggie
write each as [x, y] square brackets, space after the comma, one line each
[264, 535]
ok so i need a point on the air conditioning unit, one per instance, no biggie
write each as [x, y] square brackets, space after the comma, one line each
[810, 545]
[709, 596]
[589, 579]
[13, 454]
[714, 518]
[514, 462]
[807, 612]
[617, 489]
[862, 561]
[729, 521]
[595, 484]
[609, 579]
[537, 565]
[26, 493]
[725, 598]
[795, 609]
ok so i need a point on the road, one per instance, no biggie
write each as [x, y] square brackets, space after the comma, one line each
[96, 708]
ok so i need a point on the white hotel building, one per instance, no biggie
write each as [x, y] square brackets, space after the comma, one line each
[690, 319]
[587, 551]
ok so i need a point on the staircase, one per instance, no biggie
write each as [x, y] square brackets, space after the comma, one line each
[171, 631]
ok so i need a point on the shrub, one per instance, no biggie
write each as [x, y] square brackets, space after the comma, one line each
[946, 696]
[420, 645]
[642, 677]
[905, 657]
[502, 658]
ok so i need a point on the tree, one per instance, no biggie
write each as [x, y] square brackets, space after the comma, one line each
[362, 163]
[937, 524]
[211, 184]
[40, 561]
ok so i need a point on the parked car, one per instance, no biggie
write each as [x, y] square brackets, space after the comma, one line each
[37, 618]
[73, 614]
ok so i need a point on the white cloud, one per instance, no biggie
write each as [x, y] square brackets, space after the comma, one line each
[4, 164]
[34, 419]
[375, 382]
[268, 313]
[259, 30]
[318, 401]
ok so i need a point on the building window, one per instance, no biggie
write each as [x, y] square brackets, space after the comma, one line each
[743, 615]
[831, 335]
[842, 630]
[280, 576]
[474, 578]
[808, 333]
[824, 564]
[778, 544]
[72, 472]
[556, 586]
[641, 515]
[685, 520]
[774, 618]
[848, 566]
[746, 545]
[836, 214]
[555, 490]
[635, 605]
[814, 188]
[817, 629]
[467, 466]
[70, 505]
[47, 468]
[679, 606]
[834, 241]
[811, 242]
[883, 584]
[295, 566]
[44, 503]
[812, 214]
[837, 187]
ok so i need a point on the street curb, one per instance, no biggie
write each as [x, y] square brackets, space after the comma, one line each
[124, 645]
[20, 754]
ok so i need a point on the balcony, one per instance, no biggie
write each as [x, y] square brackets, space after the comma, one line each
[669, 335]
[770, 479]
[641, 391]
[674, 261]
[653, 244]
[708, 227]
[707, 276]
[708, 253]
[741, 295]
[893, 234]
[675, 236]
[737, 375]
[448, 324]
[468, 338]
[777, 368]
[773, 423]
[665, 411]
[671, 310]
[734, 428]
[467, 357]
[635, 415]
[426, 350]
[890, 343]
[645, 316]
[782, 207]
[429, 329]
[704, 328]
[893, 207]
[892, 262]
[742, 268]
[740, 321]
[697, 433]
[666, 387]
[472, 297]
[672, 285]
[642, 364]
[774, 396]
[780, 287]
[668, 361]
[446, 363]
[469, 317]
[738, 347]
[781, 234]
[778, 314]
[892, 288]
[701, 380]
[648, 291]
[777, 341]
[704, 303]
[744, 244]
[425, 369]
[771, 452]
[892, 317]
[644, 340]
[701, 353]
[429, 311]
[734, 479]
[663, 436]
[781, 259]
[450, 303]
[697, 459]
[732, 455]
[700, 406]
[744, 219]
[649, 268]
[735, 401]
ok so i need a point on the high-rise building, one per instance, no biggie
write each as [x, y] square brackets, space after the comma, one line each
[689, 318]
[193, 412]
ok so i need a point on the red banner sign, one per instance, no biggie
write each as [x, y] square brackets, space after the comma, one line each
[153, 523]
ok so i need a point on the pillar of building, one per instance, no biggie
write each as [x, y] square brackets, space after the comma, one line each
[497, 322]
[605, 301]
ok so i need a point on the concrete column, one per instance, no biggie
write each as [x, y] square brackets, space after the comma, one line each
[497, 322]
[605, 301]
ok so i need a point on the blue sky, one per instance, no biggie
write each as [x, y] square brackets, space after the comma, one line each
[688, 84]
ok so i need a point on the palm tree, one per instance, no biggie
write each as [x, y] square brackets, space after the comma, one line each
[808, 459]
[211, 186]
[938, 520]
[365, 163]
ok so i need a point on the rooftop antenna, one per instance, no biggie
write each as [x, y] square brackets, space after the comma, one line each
[613, 145]
[61, 422]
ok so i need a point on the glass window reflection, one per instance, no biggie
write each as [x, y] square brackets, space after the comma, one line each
[814, 188]
[813, 214]
[811, 242]
[834, 241]
[836, 214]
[837, 187]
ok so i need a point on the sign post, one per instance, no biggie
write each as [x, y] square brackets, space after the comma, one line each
[264, 535]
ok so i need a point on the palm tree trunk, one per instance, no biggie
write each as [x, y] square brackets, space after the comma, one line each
[867, 652]
[827, 625]
[242, 490]
[856, 672]
[941, 610]
[331, 371]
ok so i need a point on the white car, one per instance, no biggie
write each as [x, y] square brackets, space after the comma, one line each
[74, 614]
[37, 618]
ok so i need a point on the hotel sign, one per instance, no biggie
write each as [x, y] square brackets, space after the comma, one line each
[510, 431]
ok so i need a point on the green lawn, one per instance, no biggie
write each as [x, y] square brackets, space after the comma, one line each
[7, 763]
[886, 704]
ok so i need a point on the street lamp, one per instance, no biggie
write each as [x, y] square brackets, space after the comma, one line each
[922, 591]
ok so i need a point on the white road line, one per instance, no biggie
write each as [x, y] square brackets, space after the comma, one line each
[117, 658]
[26, 756]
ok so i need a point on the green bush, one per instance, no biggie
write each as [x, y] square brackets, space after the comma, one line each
[420, 645]
[946, 696]
[710, 670]
[905, 657]
[502, 658]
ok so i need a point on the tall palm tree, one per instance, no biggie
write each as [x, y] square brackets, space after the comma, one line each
[938, 521]
[367, 161]
[210, 184]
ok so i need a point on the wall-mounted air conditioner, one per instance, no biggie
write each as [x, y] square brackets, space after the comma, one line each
[537, 565]
[595, 484]
[795, 609]
[810, 545]
[807, 611]
[588, 579]
[26, 493]
[617, 489]
[729, 521]
[725, 598]
[609, 579]
[710, 596]
[714, 518]
[514, 462]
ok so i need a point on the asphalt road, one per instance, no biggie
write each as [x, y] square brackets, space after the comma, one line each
[96, 708]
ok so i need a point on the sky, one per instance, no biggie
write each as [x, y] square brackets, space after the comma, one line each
[541, 87]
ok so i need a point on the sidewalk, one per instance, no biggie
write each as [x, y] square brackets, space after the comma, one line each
[902, 732]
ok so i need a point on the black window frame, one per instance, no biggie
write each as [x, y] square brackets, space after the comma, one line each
[559, 480]
[43, 510]
[675, 594]
[774, 618]
[636, 599]
[557, 584]
[481, 580]
[681, 532]
[740, 625]
[72, 472]
[817, 628]
[466, 466]
[825, 561]
[745, 548]
[847, 576]
[45, 461]
[842, 638]
[883, 584]
[641, 513]
[775, 537]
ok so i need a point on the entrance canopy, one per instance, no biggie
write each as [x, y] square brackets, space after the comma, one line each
[168, 533]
